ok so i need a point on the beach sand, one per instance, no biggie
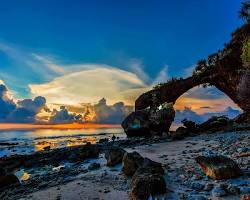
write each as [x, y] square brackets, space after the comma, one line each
[177, 157]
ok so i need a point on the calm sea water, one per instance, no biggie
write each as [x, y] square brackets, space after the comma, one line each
[37, 140]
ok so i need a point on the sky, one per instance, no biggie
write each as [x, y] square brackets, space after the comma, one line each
[77, 52]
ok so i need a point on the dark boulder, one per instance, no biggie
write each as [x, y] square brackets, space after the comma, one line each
[147, 176]
[114, 156]
[146, 184]
[151, 167]
[219, 167]
[137, 124]
[8, 180]
[190, 125]
[214, 124]
[149, 122]
[180, 133]
[131, 162]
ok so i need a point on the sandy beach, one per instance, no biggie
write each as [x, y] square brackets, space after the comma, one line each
[182, 173]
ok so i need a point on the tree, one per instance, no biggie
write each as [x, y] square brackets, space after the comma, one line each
[244, 12]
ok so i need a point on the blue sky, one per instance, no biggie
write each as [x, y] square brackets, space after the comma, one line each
[43, 40]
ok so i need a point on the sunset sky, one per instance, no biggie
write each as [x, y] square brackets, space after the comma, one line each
[74, 53]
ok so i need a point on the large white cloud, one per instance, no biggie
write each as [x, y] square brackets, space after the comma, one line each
[90, 84]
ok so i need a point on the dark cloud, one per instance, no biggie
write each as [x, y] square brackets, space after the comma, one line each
[63, 116]
[6, 104]
[24, 111]
[205, 107]
[187, 113]
[114, 114]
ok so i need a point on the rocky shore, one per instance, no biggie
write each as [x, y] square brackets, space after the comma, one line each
[134, 168]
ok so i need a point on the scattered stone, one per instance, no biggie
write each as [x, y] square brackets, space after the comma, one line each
[197, 186]
[103, 140]
[114, 156]
[245, 190]
[47, 148]
[219, 167]
[8, 143]
[233, 189]
[94, 166]
[218, 192]
[245, 197]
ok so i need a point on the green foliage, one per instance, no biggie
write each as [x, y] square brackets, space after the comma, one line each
[169, 82]
[245, 9]
[245, 56]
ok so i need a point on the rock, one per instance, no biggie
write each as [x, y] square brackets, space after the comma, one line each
[8, 143]
[180, 133]
[245, 197]
[47, 148]
[211, 71]
[209, 186]
[190, 125]
[103, 140]
[146, 184]
[2, 171]
[196, 197]
[150, 166]
[214, 124]
[137, 124]
[245, 190]
[149, 122]
[233, 189]
[197, 186]
[114, 156]
[94, 166]
[8, 180]
[219, 167]
[239, 182]
[218, 192]
[131, 162]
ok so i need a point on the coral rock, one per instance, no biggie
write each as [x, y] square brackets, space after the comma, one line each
[219, 167]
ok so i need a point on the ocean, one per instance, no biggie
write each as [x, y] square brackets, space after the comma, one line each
[27, 141]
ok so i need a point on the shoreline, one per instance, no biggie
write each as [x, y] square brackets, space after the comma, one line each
[74, 126]
[178, 157]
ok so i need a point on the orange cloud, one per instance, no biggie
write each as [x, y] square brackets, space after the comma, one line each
[201, 106]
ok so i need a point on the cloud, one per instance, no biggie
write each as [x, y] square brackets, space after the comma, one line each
[136, 67]
[162, 76]
[1, 82]
[51, 65]
[63, 116]
[189, 114]
[24, 111]
[7, 105]
[90, 84]
[189, 71]
[114, 114]
[40, 66]
[205, 93]
[98, 113]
